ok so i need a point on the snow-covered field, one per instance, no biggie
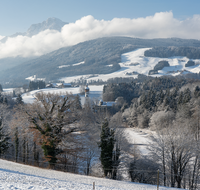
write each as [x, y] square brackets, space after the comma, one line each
[95, 93]
[18, 176]
[134, 63]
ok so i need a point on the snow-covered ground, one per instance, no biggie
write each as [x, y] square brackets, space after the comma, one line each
[134, 63]
[139, 138]
[61, 66]
[95, 93]
[18, 176]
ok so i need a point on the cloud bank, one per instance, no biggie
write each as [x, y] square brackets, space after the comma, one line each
[1, 37]
[160, 25]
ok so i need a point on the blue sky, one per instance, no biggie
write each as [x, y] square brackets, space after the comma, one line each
[18, 15]
[89, 19]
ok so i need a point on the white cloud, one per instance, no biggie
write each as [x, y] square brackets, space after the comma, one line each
[160, 25]
[1, 37]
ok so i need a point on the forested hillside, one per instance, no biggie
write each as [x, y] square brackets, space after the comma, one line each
[100, 56]
[165, 52]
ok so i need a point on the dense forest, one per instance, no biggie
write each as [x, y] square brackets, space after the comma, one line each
[165, 52]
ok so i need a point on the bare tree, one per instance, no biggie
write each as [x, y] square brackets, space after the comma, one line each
[51, 118]
[174, 148]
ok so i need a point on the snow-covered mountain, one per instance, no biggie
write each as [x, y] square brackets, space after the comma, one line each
[103, 56]
[134, 63]
[34, 29]
[50, 23]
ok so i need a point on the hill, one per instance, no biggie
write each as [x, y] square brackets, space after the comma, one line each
[19, 176]
[99, 56]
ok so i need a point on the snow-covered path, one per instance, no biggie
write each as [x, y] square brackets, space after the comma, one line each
[139, 138]
[18, 176]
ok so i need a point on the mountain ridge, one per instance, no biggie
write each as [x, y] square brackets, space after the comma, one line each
[97, 55]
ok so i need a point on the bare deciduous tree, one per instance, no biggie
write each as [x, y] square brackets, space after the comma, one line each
[51, 118]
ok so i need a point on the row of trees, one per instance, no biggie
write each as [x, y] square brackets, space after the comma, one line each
[34, 85]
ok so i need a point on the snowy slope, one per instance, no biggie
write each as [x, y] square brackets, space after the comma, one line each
[18, 176]
[134, 63]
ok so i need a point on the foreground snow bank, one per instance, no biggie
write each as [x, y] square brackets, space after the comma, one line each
[18, 176]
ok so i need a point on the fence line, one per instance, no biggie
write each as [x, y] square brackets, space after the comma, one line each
[167, 174]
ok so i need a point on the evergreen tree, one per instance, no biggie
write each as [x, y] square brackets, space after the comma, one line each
[1, 98]
[77, 102]
[19, 99]
[1, 89]
[41, 84]
[4, 144]
[186, 95]
[5, 100]
[14, 94]
[197, 92]
[107, 145]
[180, 98]
[16, 144]
[116, 161]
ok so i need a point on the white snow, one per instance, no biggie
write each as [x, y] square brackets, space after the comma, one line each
[19, 176]
[33, 78]
[80, 63]
[109, 65]
[62, 66]
[8, 90]
[134, 63]
[139, 138]
[95, 92]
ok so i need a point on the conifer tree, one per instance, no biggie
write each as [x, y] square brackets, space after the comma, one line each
[116, 161]
[16, 144]
[186, 95]
[19, 99]
[4, 144]
[107, 145]
[1, 89]
[197, 92]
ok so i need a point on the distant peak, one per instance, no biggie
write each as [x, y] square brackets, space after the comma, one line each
[51, 23]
